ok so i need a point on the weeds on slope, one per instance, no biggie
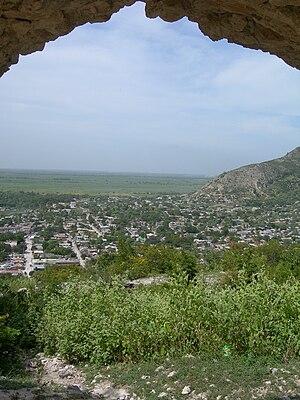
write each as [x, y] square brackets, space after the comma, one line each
[105, 324]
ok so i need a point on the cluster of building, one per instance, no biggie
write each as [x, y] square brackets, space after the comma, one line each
[78, 231]
[15, 265]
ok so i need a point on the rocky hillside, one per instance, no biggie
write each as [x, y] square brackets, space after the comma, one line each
[279, 177]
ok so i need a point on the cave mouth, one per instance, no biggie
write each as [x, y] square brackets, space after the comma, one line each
[272, 26]
[158, 107]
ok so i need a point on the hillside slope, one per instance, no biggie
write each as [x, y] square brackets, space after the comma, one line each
[279, 177]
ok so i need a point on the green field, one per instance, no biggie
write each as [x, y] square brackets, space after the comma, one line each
[96, 183]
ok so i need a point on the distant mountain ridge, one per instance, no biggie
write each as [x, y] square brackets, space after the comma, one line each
[267, 179]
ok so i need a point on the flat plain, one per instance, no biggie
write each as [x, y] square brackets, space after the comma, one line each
[83, 183]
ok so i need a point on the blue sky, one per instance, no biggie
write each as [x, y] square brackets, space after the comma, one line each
[143, 95]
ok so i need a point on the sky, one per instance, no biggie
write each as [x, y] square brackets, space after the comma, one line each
[141, 95]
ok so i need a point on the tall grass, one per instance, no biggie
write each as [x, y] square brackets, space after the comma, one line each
[105, 323]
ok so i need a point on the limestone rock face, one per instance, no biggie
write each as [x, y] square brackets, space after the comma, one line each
[268, 179]
[269, 25]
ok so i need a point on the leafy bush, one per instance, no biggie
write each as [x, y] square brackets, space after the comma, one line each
[52, 247]
[108, 323]
[279, 261]
[73, 312]
[143, 261]
[5, 250]
[52, 277]
[15, 305]
[8, 340]
[7, 334]
[23, 199]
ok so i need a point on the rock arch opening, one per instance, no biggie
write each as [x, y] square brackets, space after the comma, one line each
[272, 25]
[150, 97]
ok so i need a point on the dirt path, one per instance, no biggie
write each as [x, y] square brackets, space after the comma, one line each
[53, 378]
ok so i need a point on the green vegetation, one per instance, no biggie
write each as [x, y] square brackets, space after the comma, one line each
[19, 199]
[77, 314]
[137, 262]
[7, 334]
[104, 323]
[235, 329]
[52, 247]
[278, 261]
[6, 248]
[96, 183]
[54, 276]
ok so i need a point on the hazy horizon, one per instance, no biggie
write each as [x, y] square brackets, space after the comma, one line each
[142, 96]
[133, 173]
[95, 172]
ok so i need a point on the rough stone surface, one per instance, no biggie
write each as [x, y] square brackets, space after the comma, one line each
[186, 390]
[275, 178]
[69, 381]
[269, 25]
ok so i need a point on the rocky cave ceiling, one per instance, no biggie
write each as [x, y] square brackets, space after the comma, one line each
[269, 25]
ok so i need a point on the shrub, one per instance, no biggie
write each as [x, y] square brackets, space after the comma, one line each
[143, 261]
[15, 305]
[8, 335]
[106, 323]
[279, 261]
